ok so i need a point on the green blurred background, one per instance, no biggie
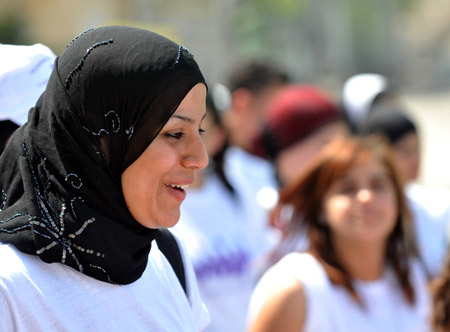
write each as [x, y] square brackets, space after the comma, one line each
[323, 41]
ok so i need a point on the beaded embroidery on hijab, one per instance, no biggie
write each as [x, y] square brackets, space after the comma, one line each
[110, 93]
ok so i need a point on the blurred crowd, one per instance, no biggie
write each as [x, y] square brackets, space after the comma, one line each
[309, 216]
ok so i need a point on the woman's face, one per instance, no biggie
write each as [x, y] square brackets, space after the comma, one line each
[407, 156]
[154, 185]
[361, 206]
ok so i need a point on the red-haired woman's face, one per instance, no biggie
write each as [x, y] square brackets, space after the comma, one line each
[361, 206]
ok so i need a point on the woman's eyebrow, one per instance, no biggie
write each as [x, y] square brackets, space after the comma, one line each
[187, 119]
[343, 177]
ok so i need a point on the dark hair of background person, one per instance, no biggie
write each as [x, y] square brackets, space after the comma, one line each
[219, 157]
[255, 75]
[307, 194]
[389, 120]
[380, 102]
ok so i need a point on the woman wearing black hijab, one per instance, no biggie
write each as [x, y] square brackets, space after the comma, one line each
[88, 182]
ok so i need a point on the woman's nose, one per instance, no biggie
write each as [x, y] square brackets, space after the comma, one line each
[364, 195]
[196, 156]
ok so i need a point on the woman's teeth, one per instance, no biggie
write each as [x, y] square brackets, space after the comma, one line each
[179, 187]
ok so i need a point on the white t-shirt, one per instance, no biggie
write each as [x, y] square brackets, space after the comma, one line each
[35, 296]
[225, 243]
[330, 307]
[430, 208]
[257, 172]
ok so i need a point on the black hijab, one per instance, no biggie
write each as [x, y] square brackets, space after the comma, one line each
[110, 93]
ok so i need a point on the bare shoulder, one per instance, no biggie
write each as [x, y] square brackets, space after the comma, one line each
[283, 310]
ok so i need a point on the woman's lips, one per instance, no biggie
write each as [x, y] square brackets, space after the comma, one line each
[178, 191]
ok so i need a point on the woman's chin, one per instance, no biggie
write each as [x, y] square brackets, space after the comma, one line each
[170, 220]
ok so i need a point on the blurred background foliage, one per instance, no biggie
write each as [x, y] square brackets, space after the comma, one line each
[12, 28]
[320, 41]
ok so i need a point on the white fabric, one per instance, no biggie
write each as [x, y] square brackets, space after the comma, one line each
[254, 173]
[330, 307]
[35, 296]
[24, 72]
[225, 241]
[430, 208]
[358, 94]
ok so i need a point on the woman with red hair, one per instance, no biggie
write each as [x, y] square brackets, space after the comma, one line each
[360, 271]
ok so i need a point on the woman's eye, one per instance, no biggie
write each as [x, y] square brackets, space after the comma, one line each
[201, 131]
[177, 135]
[380, 184]
[347, 188]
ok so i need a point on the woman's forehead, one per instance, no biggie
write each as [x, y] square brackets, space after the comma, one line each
[370, 166]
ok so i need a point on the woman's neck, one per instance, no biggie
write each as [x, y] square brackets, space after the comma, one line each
[362, 261]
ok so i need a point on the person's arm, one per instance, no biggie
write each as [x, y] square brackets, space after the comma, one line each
[284, 310]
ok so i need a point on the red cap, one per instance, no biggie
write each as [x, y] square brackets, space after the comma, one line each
[294, 113]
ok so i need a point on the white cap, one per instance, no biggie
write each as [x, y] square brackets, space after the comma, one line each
[358, 94]
[24, 73]
[221, 96]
